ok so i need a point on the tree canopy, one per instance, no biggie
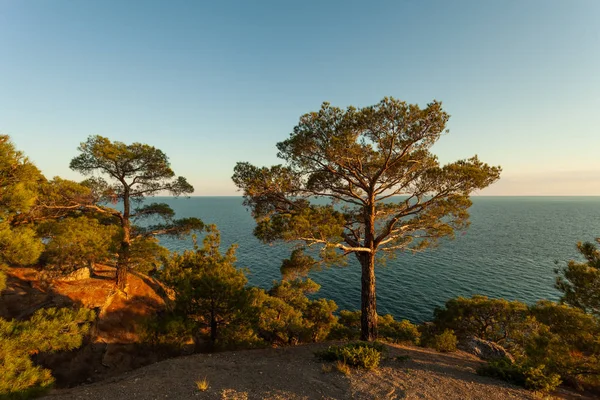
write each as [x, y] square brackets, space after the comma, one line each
[19, 180]
[384, 190]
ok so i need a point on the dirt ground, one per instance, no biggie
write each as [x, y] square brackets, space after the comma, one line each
[295, 373]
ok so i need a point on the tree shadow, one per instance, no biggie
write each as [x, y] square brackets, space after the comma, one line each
[22, 297]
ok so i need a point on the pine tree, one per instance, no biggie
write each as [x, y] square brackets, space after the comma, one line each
[209, 289]
[385, 192]
[580, 281]
[134, 172]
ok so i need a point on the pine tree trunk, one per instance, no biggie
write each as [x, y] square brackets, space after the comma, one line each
[368, 317]
[122, 266]
[368, 306]
[123, 261]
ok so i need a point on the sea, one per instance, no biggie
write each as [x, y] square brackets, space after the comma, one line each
[510, 250]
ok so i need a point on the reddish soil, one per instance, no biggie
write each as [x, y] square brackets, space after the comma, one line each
[113, 344]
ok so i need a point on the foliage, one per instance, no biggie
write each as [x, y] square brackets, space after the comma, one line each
[580, 281]
[445, 342]
[147, 255]
[210, 290]
[61, 198]
[19, 180]
[385, 191]
[356, 354]
[135, 172]
[565, 341]
[19, 245]
[76, 242]
[285, 315]
[213, 294]
[398, 331]
[320, 319]
[278, 322]
[47, 331]
[490, 319]
[548, 339]
[310, 320]
[166, 331]
[533, 378]
[348, 327]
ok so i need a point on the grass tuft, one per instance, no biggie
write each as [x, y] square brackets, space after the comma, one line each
[343, 367]
[202, 384]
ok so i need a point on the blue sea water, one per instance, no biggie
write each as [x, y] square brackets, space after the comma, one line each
[510, 250]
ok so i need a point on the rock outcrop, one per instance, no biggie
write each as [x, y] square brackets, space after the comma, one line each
[485, 349]
[77, 275]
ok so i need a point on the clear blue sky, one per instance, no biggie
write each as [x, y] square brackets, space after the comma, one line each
[216, 82]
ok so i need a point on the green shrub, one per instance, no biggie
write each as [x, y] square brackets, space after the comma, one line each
[489, 319]
[445, 342]
[398, 331]
[580, 281]
[537, 378]
[166, 331]
[21, 379]
[348, 328]
[358, 354]
[49, 330]
[532, 378]
[503, 369]
[77, 242]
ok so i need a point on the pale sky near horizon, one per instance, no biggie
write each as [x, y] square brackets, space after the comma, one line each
[213, 83]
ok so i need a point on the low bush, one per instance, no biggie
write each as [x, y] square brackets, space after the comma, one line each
[534, 378]
[348, 328]
[357, 354]
[489, 319]
[398, 331]
[445, 342]
[167, 331]
[503, 369]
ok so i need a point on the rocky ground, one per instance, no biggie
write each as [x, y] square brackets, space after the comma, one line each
[295, 373]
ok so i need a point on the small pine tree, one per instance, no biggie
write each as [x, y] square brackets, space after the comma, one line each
[580, 281]
[312, 319]
[210, 290]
